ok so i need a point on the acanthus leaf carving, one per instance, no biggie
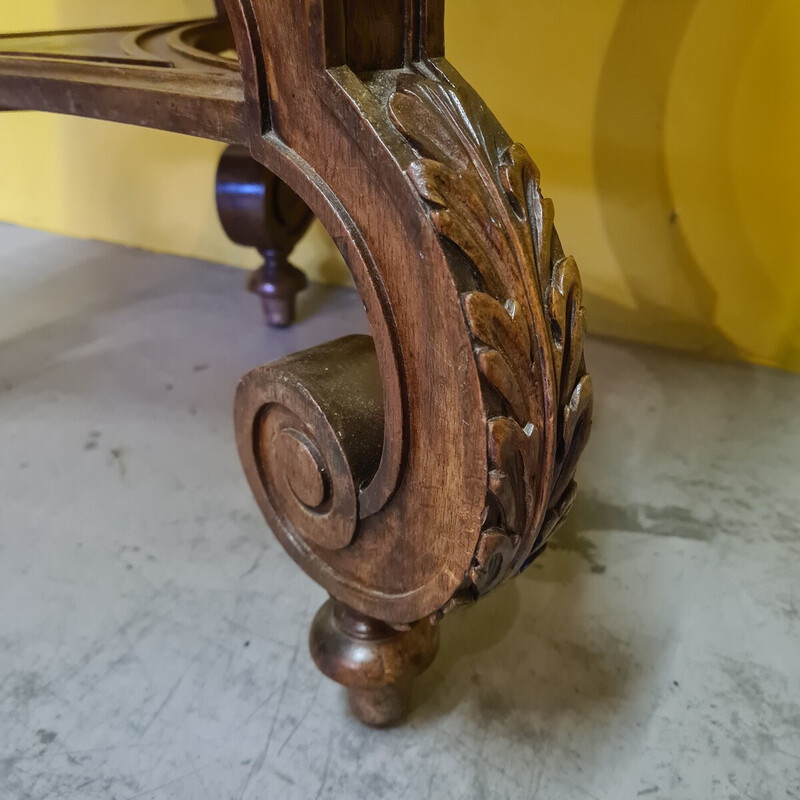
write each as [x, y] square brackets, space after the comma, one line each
[524, 314]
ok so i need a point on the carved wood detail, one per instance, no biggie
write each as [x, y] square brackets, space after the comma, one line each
[183, 77]
[523, 305]
[417, 469]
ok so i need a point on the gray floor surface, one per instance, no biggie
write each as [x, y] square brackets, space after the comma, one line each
[153, 635]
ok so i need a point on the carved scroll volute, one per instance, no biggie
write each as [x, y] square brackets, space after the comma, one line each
[477, 325]
[311, 438]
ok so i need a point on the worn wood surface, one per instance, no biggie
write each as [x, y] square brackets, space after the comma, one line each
[413, 472]
[175, 77]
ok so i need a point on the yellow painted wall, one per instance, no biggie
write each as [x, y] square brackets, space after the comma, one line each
[667, 132]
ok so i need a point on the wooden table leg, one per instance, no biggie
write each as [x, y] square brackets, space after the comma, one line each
[416, 469]
[259, 210]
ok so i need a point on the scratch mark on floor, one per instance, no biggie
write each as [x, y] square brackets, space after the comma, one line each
[324, 771]
[302, 719]
[170, 694]
[258, 763]
[254, 566]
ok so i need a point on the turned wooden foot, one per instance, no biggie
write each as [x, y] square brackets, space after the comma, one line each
[259, 210]
[375, 662]
[277, 283]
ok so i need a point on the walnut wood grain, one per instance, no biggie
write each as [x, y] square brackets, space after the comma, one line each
[412, 471]
[151, 76]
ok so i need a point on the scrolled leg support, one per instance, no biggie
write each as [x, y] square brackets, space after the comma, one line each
[310, 430]
[416, 471]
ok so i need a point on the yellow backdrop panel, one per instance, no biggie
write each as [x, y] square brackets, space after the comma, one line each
[667, 134]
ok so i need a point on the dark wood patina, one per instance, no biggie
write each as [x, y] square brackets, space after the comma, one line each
[415, 470]
[257, 209]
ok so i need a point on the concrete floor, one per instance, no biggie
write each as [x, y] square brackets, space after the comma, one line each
[153, 635]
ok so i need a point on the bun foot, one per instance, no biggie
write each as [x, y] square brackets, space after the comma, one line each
[277, 283]
[375, 662]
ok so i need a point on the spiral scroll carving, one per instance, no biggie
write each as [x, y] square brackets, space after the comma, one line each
[311, 428]
[305, 480]
[522, 302]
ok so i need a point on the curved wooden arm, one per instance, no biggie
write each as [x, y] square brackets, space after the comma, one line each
[475, 313]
